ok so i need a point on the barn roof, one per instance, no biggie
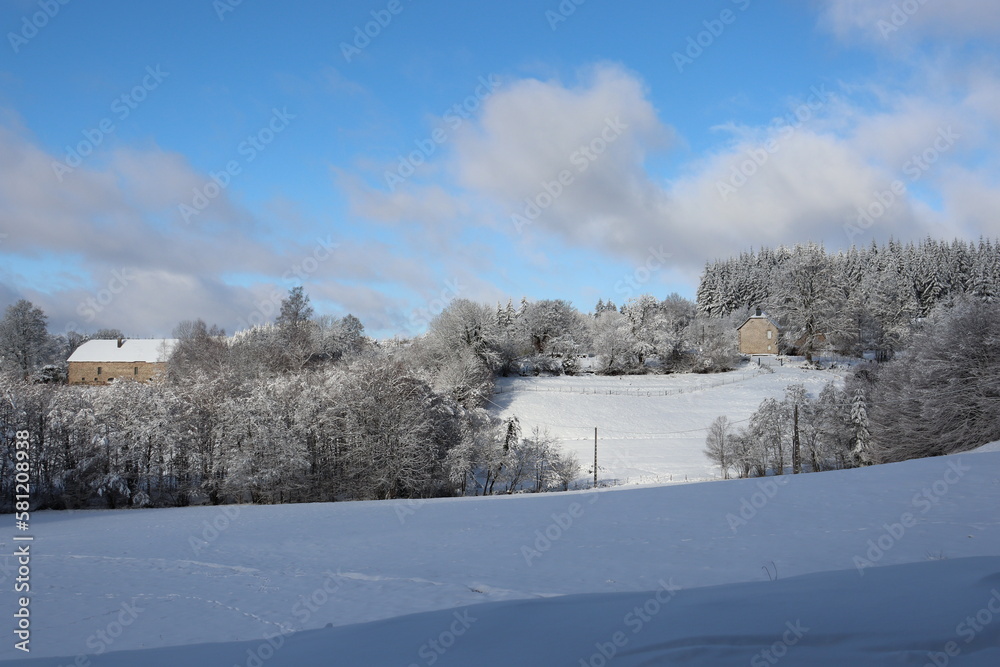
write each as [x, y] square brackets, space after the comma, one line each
[149, 350]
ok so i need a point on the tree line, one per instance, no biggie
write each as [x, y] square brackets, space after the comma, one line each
[940, 395]
[861, 299]
[799, 433]
[302, 410]
[309, 408]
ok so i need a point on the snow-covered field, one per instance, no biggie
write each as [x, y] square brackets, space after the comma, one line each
[651, 428]
[836, 542]
[889, 565]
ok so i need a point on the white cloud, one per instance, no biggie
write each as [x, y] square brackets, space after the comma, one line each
[984, 96]
[119, 213]
[771, 185]
[785, 189]
[427, 204]
[971, 201]
[530, 130]
[581, 147]
[893, 22]
[156, 180]
[802, 180]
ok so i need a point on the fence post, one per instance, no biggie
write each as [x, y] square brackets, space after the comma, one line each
[595, 457]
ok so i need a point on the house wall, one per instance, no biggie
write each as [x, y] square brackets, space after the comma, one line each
[85, 372]
[754, 340]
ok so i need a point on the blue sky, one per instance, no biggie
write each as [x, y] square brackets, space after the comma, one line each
[529, 148]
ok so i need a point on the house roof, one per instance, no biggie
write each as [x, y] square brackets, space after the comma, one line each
[764, 316]
[149, 350]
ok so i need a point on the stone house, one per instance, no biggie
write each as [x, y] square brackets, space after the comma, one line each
[759, 334]
[97, 362]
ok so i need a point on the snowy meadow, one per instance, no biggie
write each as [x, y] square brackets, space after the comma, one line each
[883, 565]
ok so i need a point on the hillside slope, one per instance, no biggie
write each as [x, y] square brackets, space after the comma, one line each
[651, 428]
[271, 569]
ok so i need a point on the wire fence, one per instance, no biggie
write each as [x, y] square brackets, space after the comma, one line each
[632, 391]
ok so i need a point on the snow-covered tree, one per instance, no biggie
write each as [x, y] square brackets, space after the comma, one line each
[861, 448]
[614, 344]
[804, 303]
[828, 428]
[549, 320]
[337, 337]
[941, 397]
[25, 344]
[199, 348]
[715, 344]
[867, 298]
[295, 310]
[397, 432]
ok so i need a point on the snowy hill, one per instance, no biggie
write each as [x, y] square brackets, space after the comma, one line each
[651, 428]
[884, 565]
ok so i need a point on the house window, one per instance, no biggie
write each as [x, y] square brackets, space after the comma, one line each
[98, 370]
[769, 332]
[135, 371]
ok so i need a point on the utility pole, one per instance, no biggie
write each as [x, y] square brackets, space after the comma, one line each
[796, 456]
[595, 457]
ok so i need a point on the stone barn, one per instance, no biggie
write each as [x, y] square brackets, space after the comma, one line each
[759, 334]
[101, 361]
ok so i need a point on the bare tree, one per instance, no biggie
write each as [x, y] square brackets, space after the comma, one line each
[719, 445]
[199, 349]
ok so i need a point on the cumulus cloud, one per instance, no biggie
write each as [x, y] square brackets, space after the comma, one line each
[548, 159]
[570, 159]
[530, 130]
[794, 180]
[786, 188]
[791, 182]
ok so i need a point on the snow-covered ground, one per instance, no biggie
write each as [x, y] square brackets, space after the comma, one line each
[651, 428]
[568, 576]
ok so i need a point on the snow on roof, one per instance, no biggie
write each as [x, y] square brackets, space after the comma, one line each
[149, 350]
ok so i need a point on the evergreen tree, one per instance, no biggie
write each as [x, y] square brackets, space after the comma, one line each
[861, 448]
[295, 309]
[296, 329]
